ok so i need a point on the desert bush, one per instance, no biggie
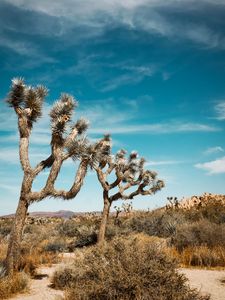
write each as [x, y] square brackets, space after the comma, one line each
[55, 247]
[214, 213]
[12, 285]
[203, 256]
[86, 235]
[3, 249]
[5, 227]
[159, 223]
[67, 228]
[199, 233]
[134, 268]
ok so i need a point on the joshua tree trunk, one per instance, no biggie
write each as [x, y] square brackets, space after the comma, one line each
[13, 254]
[14, 247]
[105, 215]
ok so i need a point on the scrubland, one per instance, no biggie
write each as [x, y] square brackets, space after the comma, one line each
[139, 260]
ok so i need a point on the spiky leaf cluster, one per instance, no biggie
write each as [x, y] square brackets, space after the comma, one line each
[27, 100]
[130, 167]
[33, 101]
[81, 125]
[78, 148]
[61, 113]
[99, 153]
[16, 94]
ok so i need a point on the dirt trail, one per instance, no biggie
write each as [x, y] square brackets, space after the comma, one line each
[207, 282]
[40, 286]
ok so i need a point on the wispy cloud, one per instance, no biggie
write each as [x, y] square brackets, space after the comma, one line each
[213, 150]
[10, 155]
[213, 167]
[152, 16]
[164, 162]
[165, 128]
[220, 110]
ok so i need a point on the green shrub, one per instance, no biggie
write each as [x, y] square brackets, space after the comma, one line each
[124, 269]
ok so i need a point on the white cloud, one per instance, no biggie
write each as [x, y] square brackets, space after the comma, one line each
[220, 110]
[213, 167]
[213, 150]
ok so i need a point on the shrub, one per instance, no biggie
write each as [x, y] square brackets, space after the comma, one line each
[12, 285]
[159, 223]
[55, 247]
[203, 256]
[5, 227]
[67, 228]
[85, 236]
[199, 233]
[124, 269]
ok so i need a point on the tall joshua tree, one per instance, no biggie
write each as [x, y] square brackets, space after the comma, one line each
[128, 173]
[27, 104]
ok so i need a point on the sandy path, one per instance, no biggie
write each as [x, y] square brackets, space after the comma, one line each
[40, 286]
[207, 282]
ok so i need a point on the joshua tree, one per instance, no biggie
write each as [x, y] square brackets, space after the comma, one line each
[127, 208]
[129, 173]
[27, 103]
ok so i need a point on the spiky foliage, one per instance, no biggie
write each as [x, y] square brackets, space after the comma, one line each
[81, 125]
[16, 94]
[78, 148]
[26, 100]
[61, 113]
[33, 101]
[98, 153]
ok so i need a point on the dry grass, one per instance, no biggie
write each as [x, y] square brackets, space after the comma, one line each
[13, 285]
[203, 256]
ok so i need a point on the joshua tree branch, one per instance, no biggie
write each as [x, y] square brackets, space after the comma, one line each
[50, 191]
[24, 131]
[78, 182]
[47, 163]
[102, 179]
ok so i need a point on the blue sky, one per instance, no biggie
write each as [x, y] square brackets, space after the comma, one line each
[150, 72]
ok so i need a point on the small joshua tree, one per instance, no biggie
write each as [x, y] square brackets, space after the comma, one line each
[129, 172]
[27, 103]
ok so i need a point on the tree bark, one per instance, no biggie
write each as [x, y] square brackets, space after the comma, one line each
[14, 248]
[105, 215]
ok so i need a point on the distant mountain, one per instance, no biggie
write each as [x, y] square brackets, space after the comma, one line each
[65, 214]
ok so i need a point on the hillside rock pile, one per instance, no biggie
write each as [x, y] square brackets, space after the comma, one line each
[205, 199]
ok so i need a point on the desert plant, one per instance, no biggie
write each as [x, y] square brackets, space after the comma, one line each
[199, 233]
[13, 284]
[129, 174]
[27, 103]
[67, 228]
[203, 256]
[134, 268]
